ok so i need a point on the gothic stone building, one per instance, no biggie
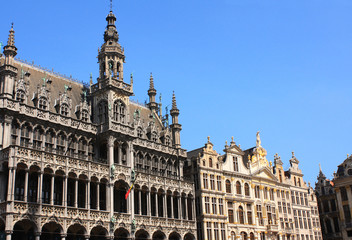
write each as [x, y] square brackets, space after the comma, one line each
[240, 195]
[335, 202]
[70, 153]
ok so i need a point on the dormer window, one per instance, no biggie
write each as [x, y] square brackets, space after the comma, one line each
[154, 137]
[20, 96]
[64, 110]
[167, 140]
[84, 116]
[42, 103]
[139, 132]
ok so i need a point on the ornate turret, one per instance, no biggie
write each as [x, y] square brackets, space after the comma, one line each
[175, 126]
[111, 59]
[8, 71]
[152, 93]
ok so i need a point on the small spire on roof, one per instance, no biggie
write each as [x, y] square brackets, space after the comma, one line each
[11, 39]
[208, 139]
[110, 5]
[91, 79]
[320, 168]
[151, 81]
[174, 105]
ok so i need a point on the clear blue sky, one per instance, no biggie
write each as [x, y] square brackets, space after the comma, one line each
[237, 66]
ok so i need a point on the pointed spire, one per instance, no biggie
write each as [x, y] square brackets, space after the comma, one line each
[320, 168]
[131, 79]
[10, 50]
[11, 39]
[151, 81]
[174, 105]
[91, 79]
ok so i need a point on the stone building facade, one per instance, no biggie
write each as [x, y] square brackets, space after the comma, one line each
[240, 195]
[70, 153]
[335, 202]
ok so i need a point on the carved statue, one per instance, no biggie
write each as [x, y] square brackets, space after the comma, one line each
[258, 140]
[112, 174]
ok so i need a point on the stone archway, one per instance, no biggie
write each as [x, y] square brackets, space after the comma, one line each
[51, 231]
[158, 235]
[24, 230]
[121, 234]
[98, 233]
[141, 235]
[174, 236]
[189, 236]
[76, 232]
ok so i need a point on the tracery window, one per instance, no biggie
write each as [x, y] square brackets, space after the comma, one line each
[119, 111]
[64, 110]
[61, 139]
[25, 135]
[84, 116]
[14, 133]
[20, 96]
[37, 138]
[43, 103]
[103, 111]
[49, 141]
[82, 147]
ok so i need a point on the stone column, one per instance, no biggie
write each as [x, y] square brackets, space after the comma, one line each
[64, 200]
[140, 202]
[339, 205]
[7, 131]
[165, 204]
[8, 235]
[26, 185]
[179, 207]
[172, 206]
[110, 185]
[349, 195]
[186, 206]
[76, 193]
[40, 185]
[156, 204]
[2, 123]
[52, 189]
[88, 195]
[98, 196]
[11, 185]
[193, 209]
[148, 203]
[119, 149]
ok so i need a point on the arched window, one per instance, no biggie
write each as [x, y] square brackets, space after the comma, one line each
[82, 147]
[64, 111]
[299, 182]
[240, 215]
[235, 164]
[14, 133]
[43, 103]
[257, 192]
[102, 111]
[233, 236]
[119, 111]
[246, 189]
[210, 162]
[61, 143]
[228, 186]
[238, 188]
[20, 96]
[26, 131]
[49, 141]
[37, 138]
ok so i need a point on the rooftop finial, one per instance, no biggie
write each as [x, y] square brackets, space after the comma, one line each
[174, 105]
[320, 168]
[151, 81]
[208, 138]
[293, 154]
[11, 39]
[110, 5]
[91, 79]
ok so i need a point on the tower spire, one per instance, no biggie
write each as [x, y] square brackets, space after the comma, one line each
[152, 93]
[174, 105]
[10, 51]
[176, 127]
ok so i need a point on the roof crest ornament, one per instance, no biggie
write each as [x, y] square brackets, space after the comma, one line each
[258, 140]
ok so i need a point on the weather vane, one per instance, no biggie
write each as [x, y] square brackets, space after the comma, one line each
[111, 5]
